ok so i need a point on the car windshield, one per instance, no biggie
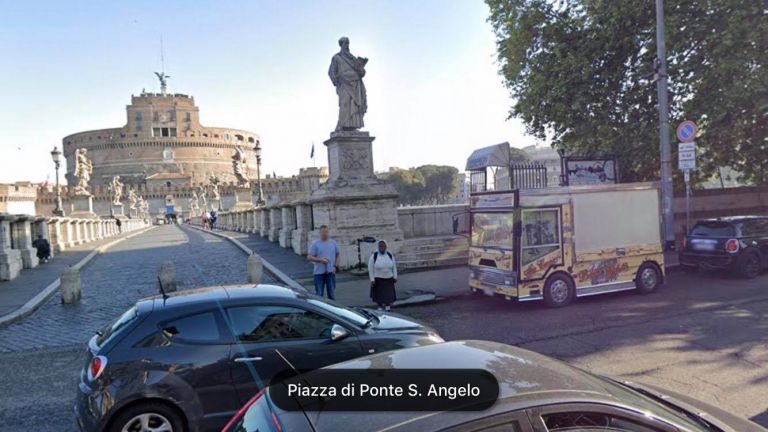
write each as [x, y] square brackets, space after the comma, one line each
[714, 229]
[112, 329]
[336, 309]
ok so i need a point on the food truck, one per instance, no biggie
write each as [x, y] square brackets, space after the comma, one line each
[559, 243]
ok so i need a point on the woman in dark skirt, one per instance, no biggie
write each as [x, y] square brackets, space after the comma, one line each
[382, 270]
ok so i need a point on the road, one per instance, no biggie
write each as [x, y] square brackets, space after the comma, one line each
[41, 355]
[701, 334]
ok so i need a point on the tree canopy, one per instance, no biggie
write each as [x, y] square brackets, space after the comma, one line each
[578, 71]
[427, 184]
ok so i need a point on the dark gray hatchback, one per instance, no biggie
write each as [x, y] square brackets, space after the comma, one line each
[187, 362]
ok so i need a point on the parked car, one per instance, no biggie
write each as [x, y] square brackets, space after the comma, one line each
[536, 393]
[188, 361]
[737, 243]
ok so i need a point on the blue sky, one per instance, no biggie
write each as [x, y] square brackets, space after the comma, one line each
[433, 89]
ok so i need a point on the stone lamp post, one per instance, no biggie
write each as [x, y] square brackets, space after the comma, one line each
[257, 151]
[56, 156]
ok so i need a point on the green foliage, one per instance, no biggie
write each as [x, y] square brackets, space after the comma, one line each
[577, 70]
[428, 184]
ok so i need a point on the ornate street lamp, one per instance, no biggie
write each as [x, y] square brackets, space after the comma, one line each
[56, 156]
[257, 150]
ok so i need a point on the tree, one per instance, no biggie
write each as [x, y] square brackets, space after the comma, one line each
[427, 184]
[578, 71]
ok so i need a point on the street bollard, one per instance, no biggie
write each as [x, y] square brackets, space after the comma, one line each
[70, 285]
[255, 269]
[167, 277]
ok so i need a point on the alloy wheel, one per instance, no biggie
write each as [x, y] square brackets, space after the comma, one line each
[148, 422]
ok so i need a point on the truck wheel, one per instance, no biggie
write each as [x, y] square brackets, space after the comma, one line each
[559, 290]
[648, 278]
[748, 265]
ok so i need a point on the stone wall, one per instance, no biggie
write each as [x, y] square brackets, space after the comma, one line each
[425, 221]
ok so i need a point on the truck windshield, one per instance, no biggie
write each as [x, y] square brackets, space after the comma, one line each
[493, 229]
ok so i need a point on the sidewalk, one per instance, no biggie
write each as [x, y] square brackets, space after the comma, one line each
[32, 287]
[414, 286]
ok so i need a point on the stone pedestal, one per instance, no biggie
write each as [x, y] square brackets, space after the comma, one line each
[10, 259]
[118, 210]
[288, 225]
[275, 223]
[303, 227]
[353, 202]
[82, 206]
[134, 213]
[264, 223]
[23, 240]
[243, 198]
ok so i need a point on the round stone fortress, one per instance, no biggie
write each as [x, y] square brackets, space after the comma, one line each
[163, 143]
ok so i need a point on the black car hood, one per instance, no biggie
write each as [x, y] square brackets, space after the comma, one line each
[389, 322]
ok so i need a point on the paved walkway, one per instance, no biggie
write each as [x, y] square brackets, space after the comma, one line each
[30, 282]
[354, 290]
[113, 281]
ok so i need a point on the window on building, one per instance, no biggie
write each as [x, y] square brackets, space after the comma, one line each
[187, 116]
[138, 116]
[156, 116]
[156, 132]
[172, 132]
[172, 115]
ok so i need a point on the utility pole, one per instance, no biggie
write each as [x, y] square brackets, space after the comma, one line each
[667, 211]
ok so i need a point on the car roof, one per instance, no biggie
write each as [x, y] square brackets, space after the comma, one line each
[526, 379]
[195, 296]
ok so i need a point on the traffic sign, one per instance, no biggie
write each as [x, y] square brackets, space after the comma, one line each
[686, 165]
[686, 156]
[686, 131]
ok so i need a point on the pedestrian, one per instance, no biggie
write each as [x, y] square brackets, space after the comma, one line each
[212, 220]
[119, 225]
[382, 270]
[43, 248]
[324, 253]
[204, 219]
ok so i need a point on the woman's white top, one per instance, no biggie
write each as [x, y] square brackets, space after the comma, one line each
[384, 267]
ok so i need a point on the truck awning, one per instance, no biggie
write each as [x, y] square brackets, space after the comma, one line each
[492, 156]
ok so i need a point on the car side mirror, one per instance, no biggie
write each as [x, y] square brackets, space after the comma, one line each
[338, 333]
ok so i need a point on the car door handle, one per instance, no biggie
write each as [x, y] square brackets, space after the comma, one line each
[247, 359]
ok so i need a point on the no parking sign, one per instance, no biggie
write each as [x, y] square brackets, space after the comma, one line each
[686, 131]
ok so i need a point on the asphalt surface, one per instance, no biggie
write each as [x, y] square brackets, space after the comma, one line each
[703, 335]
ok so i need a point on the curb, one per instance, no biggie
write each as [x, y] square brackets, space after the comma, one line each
[284, 278]
[41, 297]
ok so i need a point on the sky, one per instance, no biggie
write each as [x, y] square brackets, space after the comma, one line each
[434, 93]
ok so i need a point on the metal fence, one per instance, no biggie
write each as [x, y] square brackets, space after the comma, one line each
[528, 176]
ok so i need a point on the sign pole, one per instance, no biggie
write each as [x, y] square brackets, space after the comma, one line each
[687, 174]
[667, 212]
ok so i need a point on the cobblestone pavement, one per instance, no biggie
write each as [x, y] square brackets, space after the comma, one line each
[125, 273]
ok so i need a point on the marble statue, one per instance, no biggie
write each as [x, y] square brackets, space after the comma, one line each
[116, 187]
[132, 199]
[213, 186]
[140, 204]
[346, 73]
[194, 205]
[83, 171]
[203, 195]
[239, 166]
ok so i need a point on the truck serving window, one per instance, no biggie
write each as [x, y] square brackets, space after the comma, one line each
[541, 233]
[493, 229]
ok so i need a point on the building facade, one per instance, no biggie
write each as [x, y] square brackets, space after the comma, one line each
[162, 142]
